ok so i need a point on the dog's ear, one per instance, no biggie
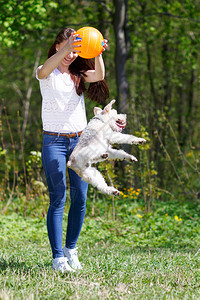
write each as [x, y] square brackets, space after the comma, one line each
[108, 107]
[97, 110]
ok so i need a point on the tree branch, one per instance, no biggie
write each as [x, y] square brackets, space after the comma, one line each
[161, 14]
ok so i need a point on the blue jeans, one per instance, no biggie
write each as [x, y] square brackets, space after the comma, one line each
[55, 154]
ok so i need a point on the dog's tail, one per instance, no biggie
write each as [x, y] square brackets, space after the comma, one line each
[71, 162]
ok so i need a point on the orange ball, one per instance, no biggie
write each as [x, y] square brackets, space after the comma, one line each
[92, 42]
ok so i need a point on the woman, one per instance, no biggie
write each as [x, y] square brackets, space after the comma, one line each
[62, 82]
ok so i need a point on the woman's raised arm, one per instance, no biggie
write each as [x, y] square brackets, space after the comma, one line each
[52, 62]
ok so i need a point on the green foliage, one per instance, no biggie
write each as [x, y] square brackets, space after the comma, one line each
[163, 76]
[19, 20]
[34, 165]
[169, 225]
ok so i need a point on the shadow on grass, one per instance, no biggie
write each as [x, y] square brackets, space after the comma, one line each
[108, 245]
[15, 264]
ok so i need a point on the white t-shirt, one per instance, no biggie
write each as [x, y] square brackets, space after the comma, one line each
[63, 110]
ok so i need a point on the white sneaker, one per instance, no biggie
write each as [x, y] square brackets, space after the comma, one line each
[61, 264]
[72, 257]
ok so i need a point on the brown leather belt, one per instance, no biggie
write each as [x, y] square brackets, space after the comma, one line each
[69, 135]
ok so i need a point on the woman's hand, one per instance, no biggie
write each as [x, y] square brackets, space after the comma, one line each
[105, 46]
[72, 43]
[98, 73]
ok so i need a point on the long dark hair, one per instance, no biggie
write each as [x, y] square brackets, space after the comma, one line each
[97, 91]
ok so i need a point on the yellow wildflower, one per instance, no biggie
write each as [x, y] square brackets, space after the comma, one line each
[177, 218]
[139, 216]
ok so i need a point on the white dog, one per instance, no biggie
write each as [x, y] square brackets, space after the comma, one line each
[94, 145]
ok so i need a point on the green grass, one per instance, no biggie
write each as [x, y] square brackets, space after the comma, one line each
[140, 256]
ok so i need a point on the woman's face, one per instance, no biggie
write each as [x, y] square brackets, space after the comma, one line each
[70, 57]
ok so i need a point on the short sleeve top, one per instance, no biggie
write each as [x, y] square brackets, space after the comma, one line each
[63, 110]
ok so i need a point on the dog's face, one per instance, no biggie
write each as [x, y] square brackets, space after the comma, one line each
[110, 116]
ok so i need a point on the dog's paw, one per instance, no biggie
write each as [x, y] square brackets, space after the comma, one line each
[104, 156]
[132, 158]
[138, 141]
[116, 193]
[141, 141]
[113, 191]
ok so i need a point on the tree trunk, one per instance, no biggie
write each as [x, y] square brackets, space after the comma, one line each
[28, 96]
[121, 54]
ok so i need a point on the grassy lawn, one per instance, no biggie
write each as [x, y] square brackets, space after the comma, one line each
[155, 257]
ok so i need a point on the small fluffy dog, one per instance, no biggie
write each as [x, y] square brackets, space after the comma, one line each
[94, 145]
